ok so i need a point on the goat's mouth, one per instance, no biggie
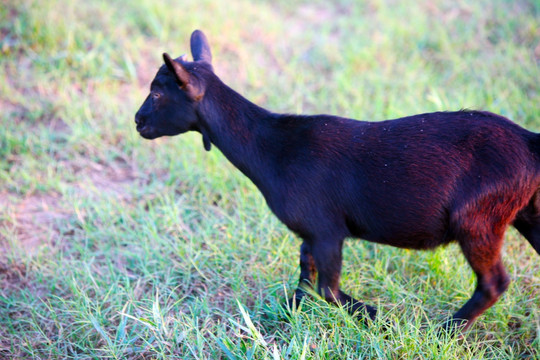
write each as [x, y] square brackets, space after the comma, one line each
[147, 132]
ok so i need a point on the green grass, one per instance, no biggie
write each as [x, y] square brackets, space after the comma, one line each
[115, 247]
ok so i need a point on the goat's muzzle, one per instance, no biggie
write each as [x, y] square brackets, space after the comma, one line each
[144, 130]
[139, 120]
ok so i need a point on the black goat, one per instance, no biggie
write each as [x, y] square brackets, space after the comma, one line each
[416, 182]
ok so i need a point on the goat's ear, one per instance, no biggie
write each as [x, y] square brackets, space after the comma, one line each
[200, 49]
[181, 74]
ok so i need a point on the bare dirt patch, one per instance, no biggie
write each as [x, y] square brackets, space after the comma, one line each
[12, 275]
[32, 222]
[32, 219]
[99, 179]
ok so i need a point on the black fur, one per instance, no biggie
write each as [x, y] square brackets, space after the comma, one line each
[416, 182]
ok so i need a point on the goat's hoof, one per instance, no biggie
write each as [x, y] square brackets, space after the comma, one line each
[453, 328]
[288, 307]
[364, 313]
[293, 303]
[370, 317]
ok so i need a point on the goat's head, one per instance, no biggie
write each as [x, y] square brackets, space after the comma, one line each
[178, 88]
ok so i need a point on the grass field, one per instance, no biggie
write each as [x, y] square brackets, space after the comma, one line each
[112, 246]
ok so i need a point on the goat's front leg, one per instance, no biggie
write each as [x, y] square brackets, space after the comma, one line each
[308, 272]
[328, 258]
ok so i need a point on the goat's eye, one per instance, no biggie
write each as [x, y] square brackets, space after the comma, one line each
[156, 95]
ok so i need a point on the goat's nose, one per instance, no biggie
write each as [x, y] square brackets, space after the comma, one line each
[138, 119]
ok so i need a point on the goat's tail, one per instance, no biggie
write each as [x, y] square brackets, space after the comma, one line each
[527, 221]
[534, 240]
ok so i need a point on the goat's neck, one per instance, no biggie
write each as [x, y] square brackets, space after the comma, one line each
[233, 124]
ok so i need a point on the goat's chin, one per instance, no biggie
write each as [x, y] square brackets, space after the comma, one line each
[149, 133]
[150, 136]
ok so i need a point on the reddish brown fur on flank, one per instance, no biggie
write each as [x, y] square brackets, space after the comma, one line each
[417, 182]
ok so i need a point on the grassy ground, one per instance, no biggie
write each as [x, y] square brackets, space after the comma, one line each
[115, 247]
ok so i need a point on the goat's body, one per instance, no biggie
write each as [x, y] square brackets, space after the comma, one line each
[406, 182]
[416, 182]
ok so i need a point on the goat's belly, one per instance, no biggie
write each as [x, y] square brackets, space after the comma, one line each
[408, 236]
[417, 242]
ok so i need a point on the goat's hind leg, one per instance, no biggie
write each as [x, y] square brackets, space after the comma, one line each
[483, 254]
